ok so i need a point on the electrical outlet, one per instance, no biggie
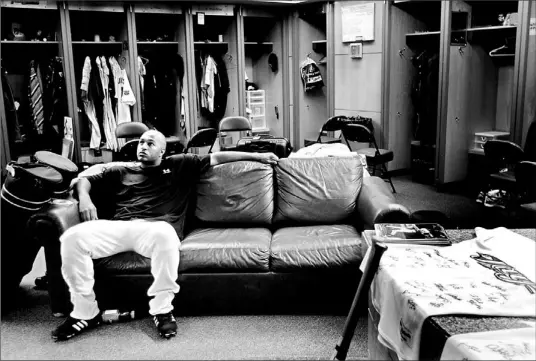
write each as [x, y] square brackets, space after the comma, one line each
[356, 50]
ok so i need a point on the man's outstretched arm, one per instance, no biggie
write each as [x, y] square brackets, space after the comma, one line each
[87, 209]
[230, 156]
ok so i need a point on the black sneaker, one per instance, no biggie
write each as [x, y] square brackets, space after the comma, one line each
[72, 327]
[166, 324]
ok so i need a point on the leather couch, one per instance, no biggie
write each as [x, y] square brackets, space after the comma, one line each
[260, 238]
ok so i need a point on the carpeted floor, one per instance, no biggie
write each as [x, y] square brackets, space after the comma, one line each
[25, 334]
[458, 205]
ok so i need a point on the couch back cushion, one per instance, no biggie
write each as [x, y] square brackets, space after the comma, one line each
[317, 190]
[237, 192]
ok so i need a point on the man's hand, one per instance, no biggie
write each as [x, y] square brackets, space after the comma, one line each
[268, 158]
[87, 210]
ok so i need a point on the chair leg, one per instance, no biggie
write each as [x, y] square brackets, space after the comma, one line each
[386, 174]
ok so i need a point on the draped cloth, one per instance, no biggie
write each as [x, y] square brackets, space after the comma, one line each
[491, 275]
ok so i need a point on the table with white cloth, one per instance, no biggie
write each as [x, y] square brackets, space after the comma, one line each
[470, 293]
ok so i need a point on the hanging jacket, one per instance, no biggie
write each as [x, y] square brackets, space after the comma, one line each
[160, 92]
[13, 127]
[55, 96]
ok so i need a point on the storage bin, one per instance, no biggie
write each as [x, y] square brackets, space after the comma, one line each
[258, 122]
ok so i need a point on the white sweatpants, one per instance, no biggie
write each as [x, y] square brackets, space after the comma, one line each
[102, 238]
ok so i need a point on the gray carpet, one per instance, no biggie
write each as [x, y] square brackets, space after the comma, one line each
[25, 334]
[458, 205]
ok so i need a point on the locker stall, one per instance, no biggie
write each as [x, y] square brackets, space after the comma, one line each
[263, 49]
[310, 40]
[216, 60]
[100, 48]
[160, 54]
[33, 82]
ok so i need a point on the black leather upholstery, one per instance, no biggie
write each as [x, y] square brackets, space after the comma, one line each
[322, 205]
[320, 192]
[315, 247]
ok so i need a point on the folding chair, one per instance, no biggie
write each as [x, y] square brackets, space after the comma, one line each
[130, 130]
[202, 138]
[333, 124]
[375, 156]
[233, 124]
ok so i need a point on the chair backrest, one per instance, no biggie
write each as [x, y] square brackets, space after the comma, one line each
[333, 124]
[525, 172]
[129, 130]
[530, 143]
[359, 133]
[236, 124]
[202, 138]
[503, 154]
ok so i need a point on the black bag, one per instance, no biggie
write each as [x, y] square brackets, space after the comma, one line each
[265, 143]
[27, 190]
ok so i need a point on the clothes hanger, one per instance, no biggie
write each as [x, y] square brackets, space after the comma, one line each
[495, 52]
[144, 60]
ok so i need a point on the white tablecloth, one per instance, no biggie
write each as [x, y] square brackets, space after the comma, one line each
[491, 275]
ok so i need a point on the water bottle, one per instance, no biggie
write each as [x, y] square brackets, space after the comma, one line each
[112, 316]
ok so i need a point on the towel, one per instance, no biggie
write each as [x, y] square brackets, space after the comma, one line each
[491, 275]
[512, 344]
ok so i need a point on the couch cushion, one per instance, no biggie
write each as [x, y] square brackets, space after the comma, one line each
[317, 190]
[315, 247]
[123, 263]
[236, 192]
[226, 250]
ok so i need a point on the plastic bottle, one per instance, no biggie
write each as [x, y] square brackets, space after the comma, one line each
[112, 316]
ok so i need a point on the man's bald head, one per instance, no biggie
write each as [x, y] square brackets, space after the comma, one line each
[151, 147]
[157, 136]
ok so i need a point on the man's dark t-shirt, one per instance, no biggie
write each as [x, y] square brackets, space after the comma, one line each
[158, 193]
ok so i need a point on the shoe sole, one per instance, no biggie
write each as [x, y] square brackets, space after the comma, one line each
[168, 335]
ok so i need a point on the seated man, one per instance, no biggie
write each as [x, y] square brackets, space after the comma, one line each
[151, 198]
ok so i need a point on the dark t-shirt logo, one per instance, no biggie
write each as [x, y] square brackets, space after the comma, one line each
[166, 171]
[504, 271]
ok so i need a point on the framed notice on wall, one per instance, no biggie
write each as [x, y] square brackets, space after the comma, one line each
[357, 22]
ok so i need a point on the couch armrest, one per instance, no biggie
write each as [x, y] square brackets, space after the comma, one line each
[47, 226]
[61, 213]
[376, 204]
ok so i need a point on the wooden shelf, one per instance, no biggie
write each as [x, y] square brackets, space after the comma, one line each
[260, 47]
[215, 46]
[319, 46]
[423, 34]
[26, 42]
[157, 42]
[214, 43]
[492, 28]
[78, 42]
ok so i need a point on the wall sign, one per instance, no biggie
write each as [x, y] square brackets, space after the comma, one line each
[357, 22]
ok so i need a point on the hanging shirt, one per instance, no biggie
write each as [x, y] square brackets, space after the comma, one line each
[124, 95]
[141, 73]
[89, 106]
[208, 82]
[108, 115]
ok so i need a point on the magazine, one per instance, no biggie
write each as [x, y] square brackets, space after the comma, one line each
[417, 233]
